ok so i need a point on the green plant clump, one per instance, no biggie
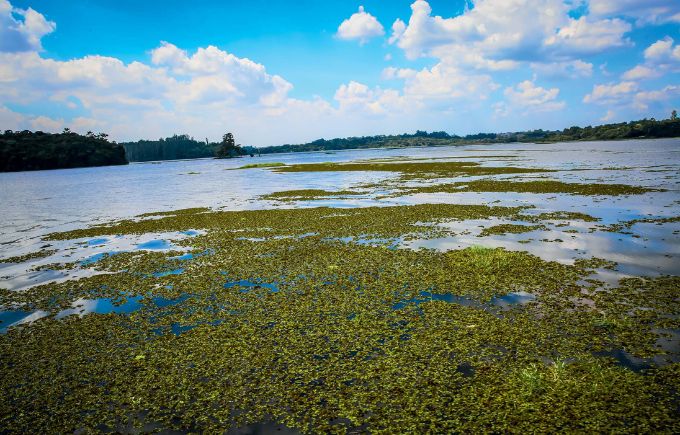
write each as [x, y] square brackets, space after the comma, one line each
[414, 169]
[543, 186]
[510, 229]
[290, 316]
[260, 165]
[307, 194]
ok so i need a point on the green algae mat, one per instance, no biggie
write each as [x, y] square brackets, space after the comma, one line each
[316, 320]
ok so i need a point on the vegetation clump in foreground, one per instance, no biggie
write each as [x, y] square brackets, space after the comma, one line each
[311, 318]
[28, 151]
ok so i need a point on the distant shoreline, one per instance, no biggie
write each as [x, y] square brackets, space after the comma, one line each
[27, 151]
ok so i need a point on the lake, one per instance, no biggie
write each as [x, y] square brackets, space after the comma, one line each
[41, 202]
[468, 287]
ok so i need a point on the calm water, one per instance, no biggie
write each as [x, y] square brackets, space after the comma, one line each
[37, 203]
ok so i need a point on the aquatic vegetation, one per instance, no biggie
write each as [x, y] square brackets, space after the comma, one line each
[510, 229]
[312, 332]
[260, 165]
[563, 216]
[375, 221]
[30, 256]
[620, 226]
[307, 194]
[542, 186]
[414, 169]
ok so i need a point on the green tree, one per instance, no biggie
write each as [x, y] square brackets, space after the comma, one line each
[227, 147]
[674, 115]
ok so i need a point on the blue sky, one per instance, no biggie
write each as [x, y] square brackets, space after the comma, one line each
[284, 72]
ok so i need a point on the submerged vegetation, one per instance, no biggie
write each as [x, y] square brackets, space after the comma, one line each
[290, 316]
[261, 165]
[307, 194]
[538, 186]
[434, 169]
[510, 229]
[28, 151]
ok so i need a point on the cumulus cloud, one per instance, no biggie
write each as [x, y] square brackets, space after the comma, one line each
[645, 11]
[22, 30]
[446, 82]
[569, 69]
[644, 99]
[498, 31]
[357, 97]
[612, 93]
[663, 52]
[398, 28]
[609, 116]
[199, 90]
[212, 75]
[585, 36]
[441, 87]
[529, 98]
[640, 72]
[661, 57]
[360, 26]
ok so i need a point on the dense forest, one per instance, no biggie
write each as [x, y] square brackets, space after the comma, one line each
[172, 148]
[646, 128]
[27, 151]
[181, 146]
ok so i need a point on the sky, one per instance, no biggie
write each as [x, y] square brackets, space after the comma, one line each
[275, 72]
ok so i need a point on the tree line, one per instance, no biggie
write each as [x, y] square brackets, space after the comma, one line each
[27, 151]
[182, 146]
[645, 128]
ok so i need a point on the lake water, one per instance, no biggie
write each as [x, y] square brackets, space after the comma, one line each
[33, 204]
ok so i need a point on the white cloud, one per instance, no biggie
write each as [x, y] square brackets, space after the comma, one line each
[584, 36]
[445, 82]
[612, 93]
[361, 26]
[442, 87]
[212, 75]
[569, 69]
[609, 116]
[43, 123]
[22, 30]
[627, 94]
[532, 98]
[498, 34]
[398, 28]
[10, 120]
[663, 51]
[391, 73]
[356, 96]
[645, 11]
[661, 57]
[643, 99]
[640, 72]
